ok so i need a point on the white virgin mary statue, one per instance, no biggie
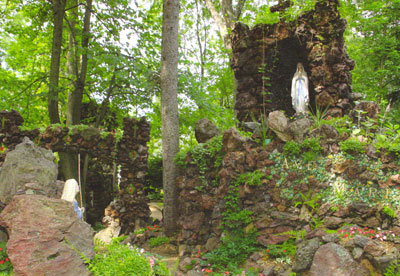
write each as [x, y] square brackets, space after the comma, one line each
[299, 91]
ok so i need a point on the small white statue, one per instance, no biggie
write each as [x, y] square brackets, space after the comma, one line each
[299, 91]
[71, 188]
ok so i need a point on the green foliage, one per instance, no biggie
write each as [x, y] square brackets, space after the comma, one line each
[341, 124]
[76, 129]
[252, 178]
[309, 200]
[154, 177]
[393, 269]
[389, 211]
[232, 252]
[372, 42]
[288, 248]
[292, 148]
[261, 130]
[318, 116]
[297, 235]
[260, 14]
[157, 241]
[352, 146]
[119, 259]
[204, 156]
[5, 264]
[389, 138]
[310, 147]
[98, 227]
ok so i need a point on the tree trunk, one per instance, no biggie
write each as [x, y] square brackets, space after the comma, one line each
[75, 97]
[68, 161]
[58, 11]
[169, 110]
[74, 104]
[222, 28]
[225, 18]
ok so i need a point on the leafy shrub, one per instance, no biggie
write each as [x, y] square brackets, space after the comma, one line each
[233, 251]
[288, 248]
[252, 178]
[341, 124]
[389, 140]
[312, 144]
[119, 259]
[310, 148]
[352, 145]
[292, 148]
[157, 241]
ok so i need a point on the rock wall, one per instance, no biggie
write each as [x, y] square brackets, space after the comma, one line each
[130, 153]
[272, 202]
[264, 61]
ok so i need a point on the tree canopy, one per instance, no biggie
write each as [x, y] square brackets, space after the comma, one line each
[124, 56]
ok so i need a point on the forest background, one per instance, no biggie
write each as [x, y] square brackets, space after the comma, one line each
[124, 55]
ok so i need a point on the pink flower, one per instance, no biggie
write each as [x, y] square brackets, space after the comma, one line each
[151, 262]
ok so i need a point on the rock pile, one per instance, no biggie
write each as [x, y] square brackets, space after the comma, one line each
[43, 231]
[274, 214]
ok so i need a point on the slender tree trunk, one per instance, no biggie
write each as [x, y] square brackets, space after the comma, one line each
[58, 11]
[69, 161]
[74, 105]
[225, 18]
[169, 110]
[222, 28]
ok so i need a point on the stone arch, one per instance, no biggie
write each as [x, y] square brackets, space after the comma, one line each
[130, 153]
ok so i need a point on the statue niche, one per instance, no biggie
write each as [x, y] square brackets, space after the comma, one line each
[265, 60]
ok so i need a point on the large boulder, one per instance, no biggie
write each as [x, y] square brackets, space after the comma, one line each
[232, 141]
[28, 169]
[205, 130]
[299, 128]
[365, 109]
[332, 259]
[45, 235]
[279, 124]
[305, 254]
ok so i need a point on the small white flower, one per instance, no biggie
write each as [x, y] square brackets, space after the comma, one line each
[379, 229]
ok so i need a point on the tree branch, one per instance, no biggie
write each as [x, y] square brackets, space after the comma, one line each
[223, 30]
[239, 9]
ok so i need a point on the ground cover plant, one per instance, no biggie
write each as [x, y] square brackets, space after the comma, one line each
[5, 264]
[125, 259]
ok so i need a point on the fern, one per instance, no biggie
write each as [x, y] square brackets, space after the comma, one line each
[298, 235]
[393, 269]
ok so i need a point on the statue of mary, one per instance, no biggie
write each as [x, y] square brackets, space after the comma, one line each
[299, 91]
